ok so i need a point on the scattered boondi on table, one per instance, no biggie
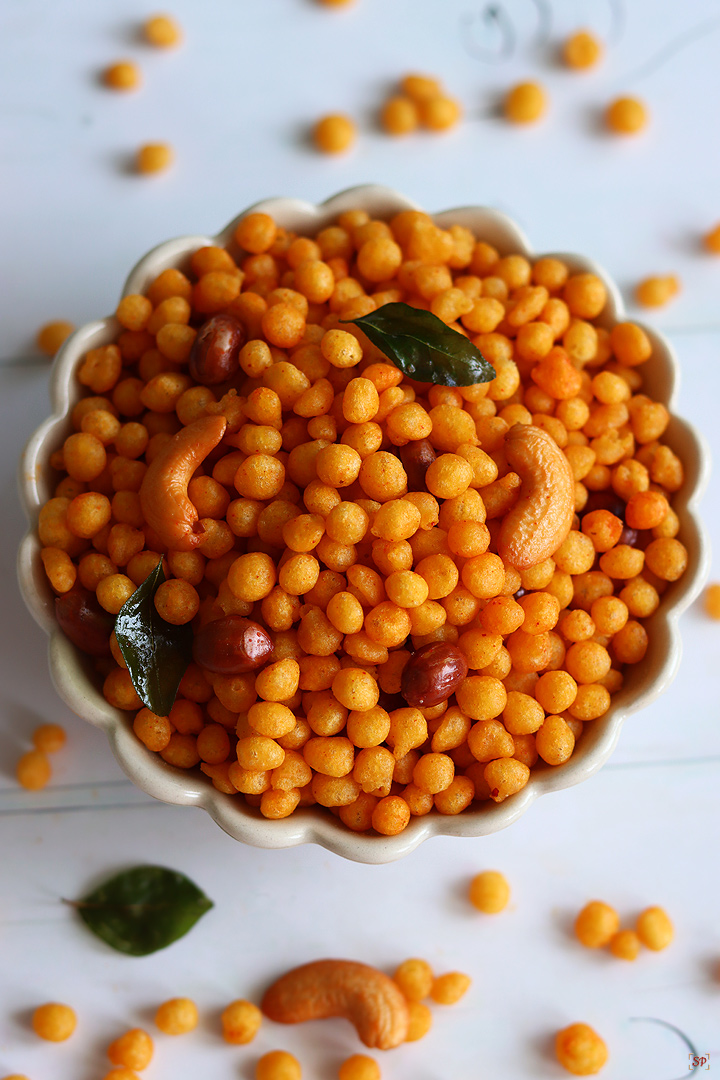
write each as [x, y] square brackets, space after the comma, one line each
[51, 336]
[626, 116]
[580, 1050]
[123, 75]
[525, 103]
[657, 291]
[334, 134]
[582, 50]
[54, 1022]
[154, 157]
[162, 31]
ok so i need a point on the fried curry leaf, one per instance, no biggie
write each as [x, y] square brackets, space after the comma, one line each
[423, 347]
[156, 652]
[143, 909]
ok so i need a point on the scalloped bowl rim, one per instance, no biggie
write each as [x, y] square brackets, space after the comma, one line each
[314, 825]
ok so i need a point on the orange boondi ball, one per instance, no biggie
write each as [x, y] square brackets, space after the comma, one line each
[359, 1067]
[51, 336]
[177, 1016]
[525, 103]
[657, 291]
[711, 240]
[278, 1065]
[33, 770]
[421, 87]
[712, 601]
[399, 115]
[162, 31]
[334, 134]
[440, 113]
[625, 945]
[580, 1050]
[49, 738]
[154, 157]
[133, 1049]
[124, 75]
[582, 50]
[626, 116]
[654, 928]
[54, 1022]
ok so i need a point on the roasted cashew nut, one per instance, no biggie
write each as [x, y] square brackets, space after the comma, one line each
[163, 494]
[541, 518]
[362, 994]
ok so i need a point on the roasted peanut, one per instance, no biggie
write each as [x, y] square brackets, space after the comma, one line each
[541, 518]
[214, 353]
[83, 621]
[163, 493]
[433, 674]
[232, 645]
[359, 993]
[417, 456]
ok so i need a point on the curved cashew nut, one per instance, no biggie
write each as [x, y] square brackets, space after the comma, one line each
[541, 518]
[163, 494]
[362, 994]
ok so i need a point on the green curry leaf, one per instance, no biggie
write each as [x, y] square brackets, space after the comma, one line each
[156, 652]
[143, 909]
[423, 347]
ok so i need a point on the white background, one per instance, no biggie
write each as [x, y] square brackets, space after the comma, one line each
[236, 102]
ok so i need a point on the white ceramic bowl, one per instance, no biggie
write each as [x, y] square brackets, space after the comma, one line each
[70, 670]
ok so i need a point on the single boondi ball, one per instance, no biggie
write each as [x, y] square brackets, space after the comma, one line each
[278, 1065]
[657, 291]
[712, 601]
[625, 945]
[449, 988]
[596, 924]
[654, 928]
[359, 1067]
[124, 75]
[399, 115]
[51, 336]
[133, 1049]
[582, 50]
[415, 978]
[334, 134]
[54, 1022]
[177, 1016]
[626, 116]
[525, 103]
[49, 738]
[162, 31]
[489, 892]
[33, 770]
[240, 1022]
[580, 1050]
[154, 157]
[421, 1019]
[711, 240]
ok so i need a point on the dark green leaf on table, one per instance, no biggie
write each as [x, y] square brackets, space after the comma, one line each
[424, 347]
[156, 652]
[143, 909]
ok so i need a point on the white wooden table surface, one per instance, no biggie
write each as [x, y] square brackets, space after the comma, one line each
[236, 102]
